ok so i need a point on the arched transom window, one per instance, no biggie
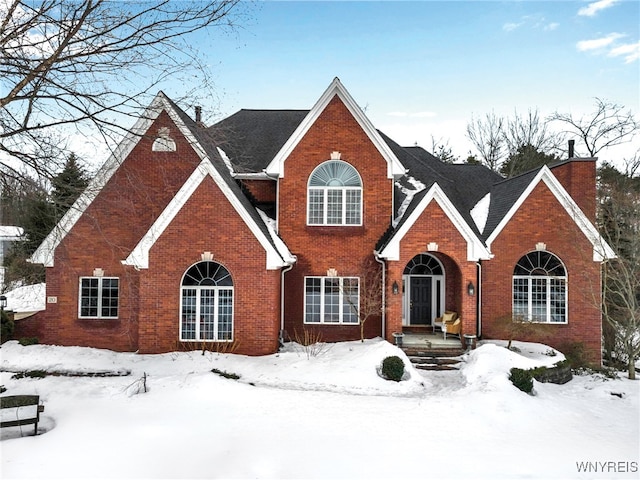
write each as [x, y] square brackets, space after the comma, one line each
[423, 265]
[334, 195]
[206, 305]
[540, 288]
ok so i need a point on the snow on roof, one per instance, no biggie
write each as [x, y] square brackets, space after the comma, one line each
[29, 298]
[8, 232]
[480, 212]
[409, 194]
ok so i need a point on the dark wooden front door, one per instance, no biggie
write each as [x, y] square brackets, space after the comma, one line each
[421, 301]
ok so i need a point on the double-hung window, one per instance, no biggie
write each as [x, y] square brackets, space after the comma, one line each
[99, 297]
[334, 195]
[332, 300]
[540, 288]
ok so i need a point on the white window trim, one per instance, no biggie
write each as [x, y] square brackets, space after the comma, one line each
[322, 301]
[325, 206]
[547, 279]
[99, 316]
[216, 304]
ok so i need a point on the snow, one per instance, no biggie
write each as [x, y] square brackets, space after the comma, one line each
[409, 193]
[320, 412]
[480, 212]
[28, 298]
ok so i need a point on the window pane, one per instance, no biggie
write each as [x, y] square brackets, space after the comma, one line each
[109, 307]
[188, 322]
[334, 207]
[89, 295]
[521, 298]
[312, 300]
[539, 299]
[558, 300]
[350, 301]
[332, 300]
[225, 314]
[207, 314]
[316, 207]
[353, 207]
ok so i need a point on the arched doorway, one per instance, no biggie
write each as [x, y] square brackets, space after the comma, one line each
[423, 287]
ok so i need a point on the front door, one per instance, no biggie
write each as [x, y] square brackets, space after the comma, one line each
[421, 300]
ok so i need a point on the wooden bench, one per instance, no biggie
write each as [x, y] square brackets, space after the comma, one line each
[17, 410]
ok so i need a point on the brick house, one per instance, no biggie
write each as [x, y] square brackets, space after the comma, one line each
[266, 224]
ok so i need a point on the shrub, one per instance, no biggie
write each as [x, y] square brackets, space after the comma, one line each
[575, 354]
[224, 374]
[6, 327]
[25, 341]
[522, 379]
[393, 368]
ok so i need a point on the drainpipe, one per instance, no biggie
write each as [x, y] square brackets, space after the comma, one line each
[384, 293]
[479, 300]
[282, 272]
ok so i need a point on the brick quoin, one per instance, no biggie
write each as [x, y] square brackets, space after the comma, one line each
[541, 218]
[319, 248]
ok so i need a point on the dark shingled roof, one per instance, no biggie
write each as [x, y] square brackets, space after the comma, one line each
[504, 195]
[252, 138]
[207, 139]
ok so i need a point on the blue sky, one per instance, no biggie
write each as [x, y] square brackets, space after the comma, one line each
[424, 69]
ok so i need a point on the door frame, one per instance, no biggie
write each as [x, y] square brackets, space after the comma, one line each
[437, 297]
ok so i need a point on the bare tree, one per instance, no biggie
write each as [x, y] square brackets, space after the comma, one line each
[619, 218]
[609, 125]
[84, 66]
[501, 141]
[365, 297]
[487, 136]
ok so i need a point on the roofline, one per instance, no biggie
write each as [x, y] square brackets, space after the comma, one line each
[476, 250]
[601, 249]
[139, 256]
[394, 167]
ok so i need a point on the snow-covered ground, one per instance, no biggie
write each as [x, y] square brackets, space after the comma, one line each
[326, 415]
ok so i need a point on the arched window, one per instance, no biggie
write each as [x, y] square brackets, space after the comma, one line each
[540, 288]
[206, 306]
[423, 264]
[334, 195]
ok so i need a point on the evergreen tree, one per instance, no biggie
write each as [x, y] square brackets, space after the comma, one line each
[526, 157]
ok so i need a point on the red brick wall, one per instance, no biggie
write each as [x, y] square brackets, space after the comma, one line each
[578, 177]
[542, 219]
[208, 222]
[264, 191]
[111, 226]
[435, 226]
[319, 248]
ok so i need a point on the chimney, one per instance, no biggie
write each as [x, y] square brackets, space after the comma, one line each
[571, 148]
[198, 114]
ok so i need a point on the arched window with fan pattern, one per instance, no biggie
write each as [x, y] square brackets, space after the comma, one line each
[334, 195]
[540, 288]
[206, 303]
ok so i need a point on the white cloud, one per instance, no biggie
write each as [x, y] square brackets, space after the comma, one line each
[630, 52]
[509, 27]
[551, 26]
[594, 7]
[598, 43]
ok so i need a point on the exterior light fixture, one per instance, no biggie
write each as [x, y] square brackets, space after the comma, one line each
[394, 288]
[3, 302]
[471, 290]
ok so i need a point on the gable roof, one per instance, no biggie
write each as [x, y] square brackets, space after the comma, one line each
[394, 167]
[509, 201]
[211, 165]
[476, 249]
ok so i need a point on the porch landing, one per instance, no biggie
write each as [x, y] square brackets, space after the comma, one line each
[430, 351]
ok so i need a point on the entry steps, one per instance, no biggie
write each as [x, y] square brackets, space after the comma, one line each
[440, 359]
